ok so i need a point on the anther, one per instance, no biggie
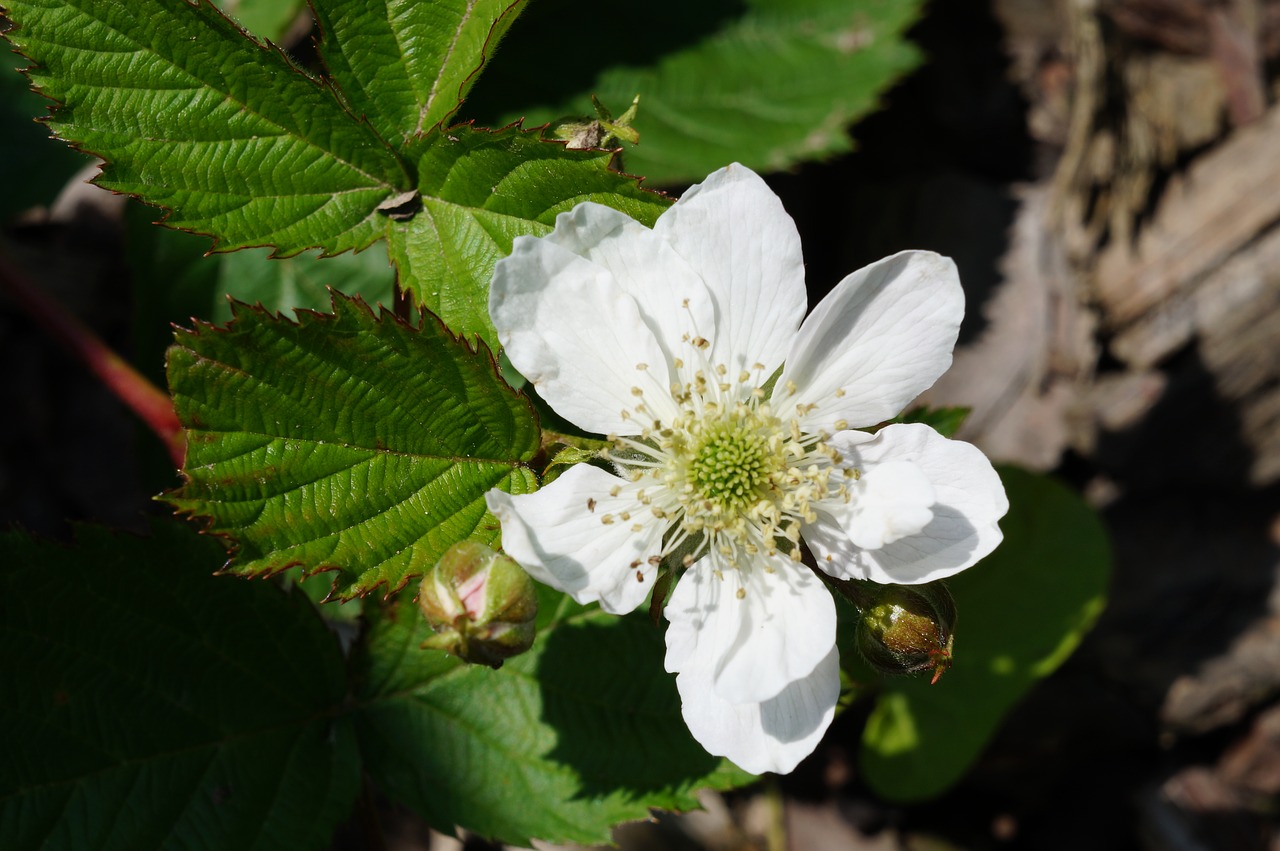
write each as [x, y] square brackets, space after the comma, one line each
[742, 593]
[591, 505]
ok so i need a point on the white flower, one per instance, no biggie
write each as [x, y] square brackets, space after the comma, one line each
[667, 340]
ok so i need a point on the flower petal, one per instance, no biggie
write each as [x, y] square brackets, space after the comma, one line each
[773, 735]
[577, 537]
[569, 327]
[890, 501]
[758, 631]
[878, 340]
[970, 499]
[735, 234]
[673, 300]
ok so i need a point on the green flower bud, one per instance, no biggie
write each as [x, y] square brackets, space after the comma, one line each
[482, 605]
[598, 132]
[905, 629]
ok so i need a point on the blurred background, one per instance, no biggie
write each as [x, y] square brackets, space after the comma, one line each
[1106, 173]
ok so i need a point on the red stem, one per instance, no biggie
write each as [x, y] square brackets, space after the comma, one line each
[145, 399]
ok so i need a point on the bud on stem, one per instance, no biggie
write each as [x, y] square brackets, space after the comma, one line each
[904, 629]
[482, 605]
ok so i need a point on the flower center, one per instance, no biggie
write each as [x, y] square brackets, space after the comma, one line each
[731, 465]
[727, 476]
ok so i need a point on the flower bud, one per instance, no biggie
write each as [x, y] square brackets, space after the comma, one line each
[905, 629]
[482, 605]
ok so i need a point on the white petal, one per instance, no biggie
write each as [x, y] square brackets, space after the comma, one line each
[755, 644]
[770, 736]
[890, 501]
[570, 328]
[970, 499]
[559, 535]
[735, 234]
[672, 299]
[878, 340]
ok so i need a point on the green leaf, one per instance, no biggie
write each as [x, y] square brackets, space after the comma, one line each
[774, 87]
[482, 189]
[268, 19]
[174, 281]
[1023, 610]
[345, 442]
[406, 65]
[945, 421]
[195, 116]
[562, 743]
[150, 704]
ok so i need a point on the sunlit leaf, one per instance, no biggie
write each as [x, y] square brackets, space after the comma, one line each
[345, 442]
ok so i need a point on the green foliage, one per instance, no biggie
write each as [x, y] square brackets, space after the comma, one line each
[153, 705]
[563, 742]
[945, 421]
[174, 282]
[267, 19]
[150, 704]
[345, 442]
[406, 65]
[776, 85]
[194, 116]
[482, 189]
[1023, 609]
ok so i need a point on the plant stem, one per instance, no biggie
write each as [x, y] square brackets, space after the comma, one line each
[776, 833]
[146, 400]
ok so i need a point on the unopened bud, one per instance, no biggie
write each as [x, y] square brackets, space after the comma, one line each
[598, 132]
[482, 605]
[906, 629]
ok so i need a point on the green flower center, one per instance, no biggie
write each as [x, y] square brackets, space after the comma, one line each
[731, 465]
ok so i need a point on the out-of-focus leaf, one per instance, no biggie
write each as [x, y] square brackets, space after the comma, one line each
[345, 442]
[266, 19]
[776, 85]
[1022, 610]
[945, 421]
[150, 704]
[561, 743]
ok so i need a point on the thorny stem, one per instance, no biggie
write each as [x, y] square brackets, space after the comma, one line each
[149, 402]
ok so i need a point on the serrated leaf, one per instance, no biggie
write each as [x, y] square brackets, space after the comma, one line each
[345, 441]
[562, 743]
[480, 190]
[406, 65]
[150, 704]
[1022, 611]
[197, 117]
[776, 86]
